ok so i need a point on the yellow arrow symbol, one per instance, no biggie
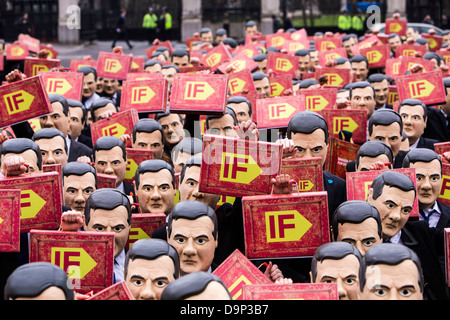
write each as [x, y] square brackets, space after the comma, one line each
[1, 220]
[238, 168]
[238, 65]
[276, 89]
[325, 44]
[332, 56]
[30, 204]
[421, 88]
[116, 130]
[295, 46]
[395, 27]
[280, 111]
[316, 103]
[374, 56]
[344, 123]
[248, 52]
[242, 280]
[213, 59]
[76, 262]
[112, 65]
[282, 64]
[198, 90]
[141, 95]
[305, 185]
[277, 41]
[236, 85]
[39, 67]
[137, 233]
[282, 226]
[134, 65]
[35, 124]
[334, 79]
[58, 86]
[17, 51]
[18, 101]
[131, 169]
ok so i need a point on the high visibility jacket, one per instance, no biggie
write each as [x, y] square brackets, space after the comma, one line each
[168, 23]
[345, 22]
[357, 23]
[150, 21]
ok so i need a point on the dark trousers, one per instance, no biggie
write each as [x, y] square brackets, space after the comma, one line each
[122, 35]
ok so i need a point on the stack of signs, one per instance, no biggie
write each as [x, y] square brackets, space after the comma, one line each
[10, 220]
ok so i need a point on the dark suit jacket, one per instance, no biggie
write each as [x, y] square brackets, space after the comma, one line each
[436, 125]
[77, 149]
[336, 189]
[426, 143]
[428, 244]
[87, 141]
[444, 220]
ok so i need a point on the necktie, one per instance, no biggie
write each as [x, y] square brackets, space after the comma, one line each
[427, 216]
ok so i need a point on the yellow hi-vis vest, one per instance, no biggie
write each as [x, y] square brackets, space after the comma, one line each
[168, 21]
[357, 23]
[344, 22]
[150, 21]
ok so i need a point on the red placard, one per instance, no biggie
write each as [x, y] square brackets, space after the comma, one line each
[76, 64]
[140, 76]
[279, 226]
[145, 95]
[67, 84]
[392, 95]
[330, 55]
[106, 181]
[118, 291]
[34, 65]
[444, 53]
[294, 291]
[409, 50]
[352, 120]
[444, 194]
[308, 173]
[442, 147]
[137, 64]
[340, 152]
[377, 55]
[40, 202]
[238, 63]
[215, 57]
[434, 41]
[152, 49]
[237, 167]
[277, 40]
[16, 52]
[335, 76]
[10, 220]
[143, 225]
[237, 271]
[113, 66]
[319, 99]
[86, 257]
[358, 185]
[118, 124]
[393, 67]
[327, 43]
[282, 63]
[427, 87]
[299, 35]
[279, 85]
[32, 44]
[52, 52]
[276, 112]
[249, 50]
[293, 46]
[398, 26]
[199, 93]
[23, 100]
[408, 62]
[134, 158]
[239, 81]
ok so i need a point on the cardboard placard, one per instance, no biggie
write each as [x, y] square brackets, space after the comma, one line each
[23, 100]
[335, 76]
[237, 271]
[118, 291]
[358, 185]
[249, 50]
[215, 57]
[280, 84]
[442, 147]
[40, 200]
[444, 53]
[237, 167]
[330, 55]
[106, 181]
[199, 93]
[137, 64]
[86, 257]
[377, 55]
[398, 26]
[34, 65]
[308, 173]
[292, 46]
[15, 52]
[239, 81]
[392, 95]
[276, 112]
[280, 226]
[118, 124]
[408, 62]
[145, 95]
[152, 49]
[328, 43]
[134, 159]
[113, 66]
[32, 44]
[67, 84]
[141, 76]
[143, 225]
[409, 50]
[444, 194]
[340, 152]
[52, 52]
[10, 220]
[238, 63]
[76, 64]
[427, 87]
[294, 291]
[319, 99]
[281, 63]
[393, 67]
[277, 40]
[434, 41]
[352, 120]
